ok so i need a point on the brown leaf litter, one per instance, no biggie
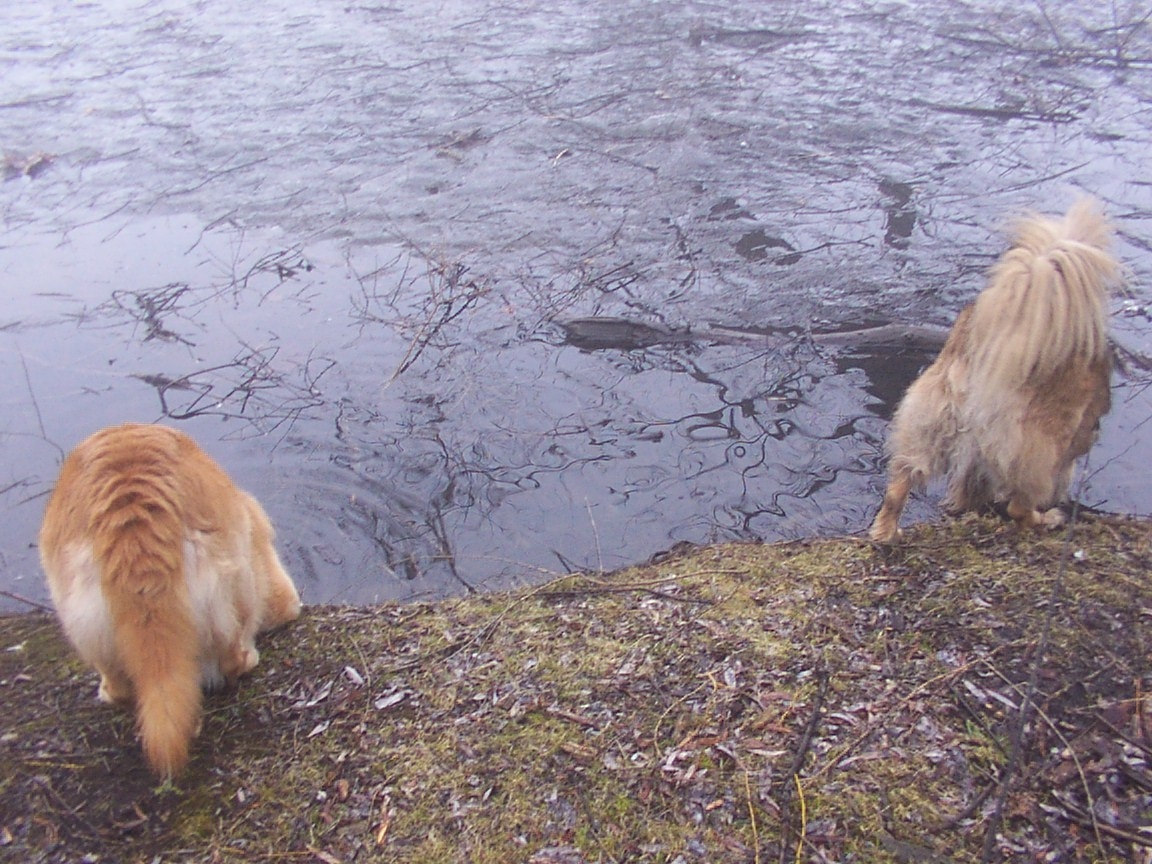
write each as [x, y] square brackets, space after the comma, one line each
[826, 700]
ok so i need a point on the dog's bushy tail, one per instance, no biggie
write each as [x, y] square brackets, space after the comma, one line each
[1046, 301]
[138, 542]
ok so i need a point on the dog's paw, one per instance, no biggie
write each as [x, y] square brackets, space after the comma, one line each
[1053, 518]
[884, 532]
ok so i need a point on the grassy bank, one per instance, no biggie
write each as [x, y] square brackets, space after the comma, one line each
[813, 701]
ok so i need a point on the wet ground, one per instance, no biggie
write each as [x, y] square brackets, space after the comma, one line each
[353, 248]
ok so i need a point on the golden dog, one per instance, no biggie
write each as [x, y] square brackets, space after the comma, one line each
[1018, 390]
[162, 572]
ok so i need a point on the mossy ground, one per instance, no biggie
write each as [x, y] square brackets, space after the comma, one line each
[813, 701]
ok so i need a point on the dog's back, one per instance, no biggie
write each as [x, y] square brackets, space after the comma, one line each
[1045, 307]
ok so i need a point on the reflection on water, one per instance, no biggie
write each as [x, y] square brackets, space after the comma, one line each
[532, 289]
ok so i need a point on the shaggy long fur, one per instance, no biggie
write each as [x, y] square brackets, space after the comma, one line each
[162, 573]
[1018, 390]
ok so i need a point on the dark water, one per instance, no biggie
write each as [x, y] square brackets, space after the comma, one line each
[343, 244]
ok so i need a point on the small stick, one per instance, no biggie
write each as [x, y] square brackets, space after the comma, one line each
[33, 603]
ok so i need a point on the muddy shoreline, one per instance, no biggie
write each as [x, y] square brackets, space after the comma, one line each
[735, 703]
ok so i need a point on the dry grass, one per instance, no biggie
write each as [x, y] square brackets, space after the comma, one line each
[816, 701]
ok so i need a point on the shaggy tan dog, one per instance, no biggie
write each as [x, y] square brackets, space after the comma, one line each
[1018, 390]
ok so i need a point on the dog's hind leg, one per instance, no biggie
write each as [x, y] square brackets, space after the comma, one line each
[886, 526]
[1038, 478]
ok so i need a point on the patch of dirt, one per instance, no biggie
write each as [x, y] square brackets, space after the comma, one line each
[825, 700]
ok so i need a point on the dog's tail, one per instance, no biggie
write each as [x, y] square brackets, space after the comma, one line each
[138, 543]
[1046, 301]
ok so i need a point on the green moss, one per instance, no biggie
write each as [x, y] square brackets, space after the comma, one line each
[655, 713]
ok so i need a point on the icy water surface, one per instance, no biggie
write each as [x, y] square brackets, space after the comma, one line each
[354, 249]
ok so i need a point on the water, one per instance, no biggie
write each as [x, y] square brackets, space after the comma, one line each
[343, 245]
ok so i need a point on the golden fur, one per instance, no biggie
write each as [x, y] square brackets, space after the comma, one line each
[162, 572]
[1018, 390]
